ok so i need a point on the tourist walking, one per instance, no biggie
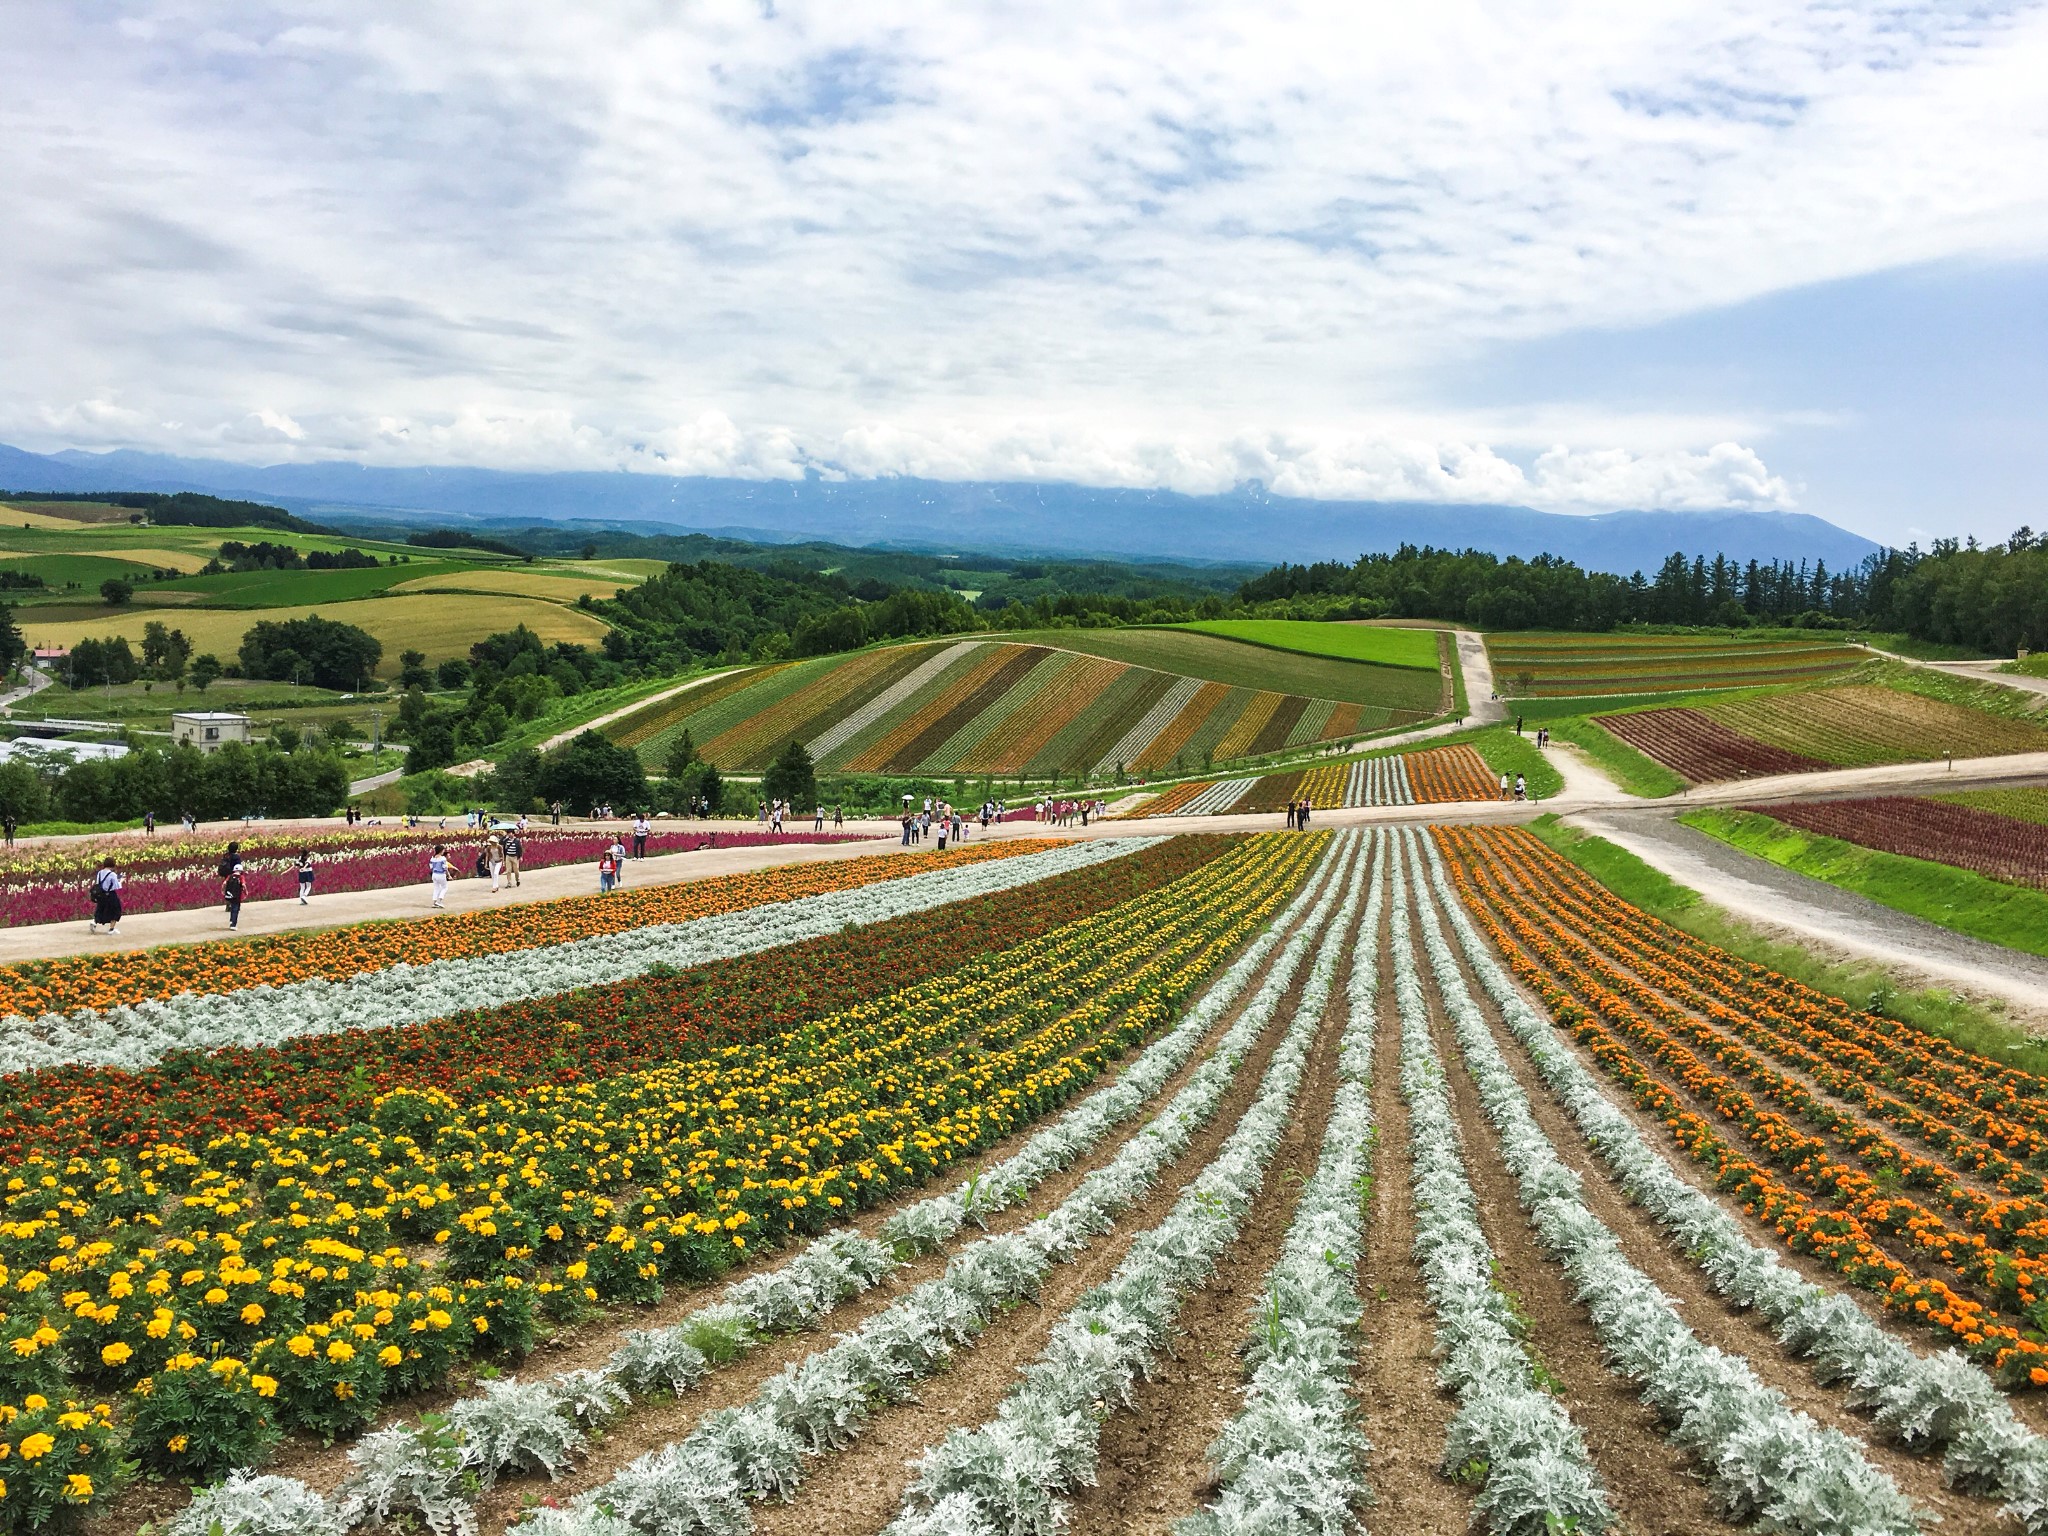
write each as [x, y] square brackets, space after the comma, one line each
[437, 871]
[231, 891]
[1521, 787]
[618, 853]
[838, 817]
[304, 870]
[7, 826]
[818, 821]
[607, 872]
[1504, 786]
[641, 827]
[149, 823]
[1301, 815]
[515, 850]
[494, 856]
[106, 898]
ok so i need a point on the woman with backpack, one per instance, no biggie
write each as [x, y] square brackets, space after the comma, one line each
[106, 898]
[304, 870]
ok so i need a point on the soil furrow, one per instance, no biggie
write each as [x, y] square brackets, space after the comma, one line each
[1407, 1415]
[1744, 1334]
[860, 1489]
[1656, 1489]
[1154, 1464]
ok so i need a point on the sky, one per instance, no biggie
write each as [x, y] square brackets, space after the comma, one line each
[1573, 254]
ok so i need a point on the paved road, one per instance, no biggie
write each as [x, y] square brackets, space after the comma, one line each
[34, 683]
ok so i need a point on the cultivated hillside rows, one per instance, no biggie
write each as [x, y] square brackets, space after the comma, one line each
[1293, 1182]
[1008, 707]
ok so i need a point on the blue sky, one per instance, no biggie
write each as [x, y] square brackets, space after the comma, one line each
[1597, 254]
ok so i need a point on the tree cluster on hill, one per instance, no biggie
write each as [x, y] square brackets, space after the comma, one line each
[184, 509]
[265, 556]
[323, 652]
[452, 538]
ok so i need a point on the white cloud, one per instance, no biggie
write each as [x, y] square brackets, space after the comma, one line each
[1124, 243]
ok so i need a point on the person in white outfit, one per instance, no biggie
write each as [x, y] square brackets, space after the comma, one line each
[437, 868]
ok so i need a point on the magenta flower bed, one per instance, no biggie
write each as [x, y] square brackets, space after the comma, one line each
[179, 884]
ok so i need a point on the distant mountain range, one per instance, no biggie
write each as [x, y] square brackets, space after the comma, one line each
[1247, 525]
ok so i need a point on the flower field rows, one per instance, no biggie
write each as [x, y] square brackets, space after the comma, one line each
[1435, 776]
[975, 706]
[1112, 1182]
[1564, 665]
[1808, 729]
[2001, 847]
[546, 1203]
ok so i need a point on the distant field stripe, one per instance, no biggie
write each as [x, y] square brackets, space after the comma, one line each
[1060, 687]
[854, 685]
[1018, 718]
[1068, 749]
[1151, 724]
[1203, 747]
[1280, 725]
[765, 685]
[899, 702]
[1174, 798]
[966, 742]
[933, 660]
[1310, 726]
[1343, 722]
[1169, 742]
[912, 718]
[752, 741]
[1218, 797]
[1237, 741]
[1077, 692]
[652, 719]
[1324, 785]
[1004, 669]
[1445, 774]
[1271, 793]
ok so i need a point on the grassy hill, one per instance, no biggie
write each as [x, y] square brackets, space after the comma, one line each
[1035, 704]
[437, 601]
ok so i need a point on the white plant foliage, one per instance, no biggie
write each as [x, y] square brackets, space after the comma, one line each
[839, 1264]
[256, 1506]
[137, 1036]
[700, 1485]
[516, 1426]
[1292, 1462]
[1940, 1401]
[403, 1472]
[1767, 1461]
[1535, 1464]
[1006, 1478]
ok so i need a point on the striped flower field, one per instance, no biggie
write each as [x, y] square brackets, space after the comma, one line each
[989, 707]
[1392, 1179]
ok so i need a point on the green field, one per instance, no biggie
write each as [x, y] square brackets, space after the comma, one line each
[1383, 646]
[1216, 659]
[1532, 664]
[2013, 915]
[280, 589]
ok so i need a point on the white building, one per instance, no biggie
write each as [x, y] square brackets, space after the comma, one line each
[209, 730]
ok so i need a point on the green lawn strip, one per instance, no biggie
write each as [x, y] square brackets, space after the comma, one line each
[1351, 642]
[1216, 659]
[1634, 772]
[1960, 899]
[1968, 1025]
[1453, 666]
[1921, 650]
[2028, 804]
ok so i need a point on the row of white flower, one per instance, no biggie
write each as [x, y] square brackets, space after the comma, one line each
[1534, 1470]
[1293, 1460]
[539, 1426]
[137, 1036]
[701, 1485]
[1006, 1477]
[1766, 1460]
[1924, 1402]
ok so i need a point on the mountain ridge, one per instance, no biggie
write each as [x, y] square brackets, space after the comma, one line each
[1250, 524]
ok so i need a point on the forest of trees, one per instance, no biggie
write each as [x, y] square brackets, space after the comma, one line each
[1992, 598]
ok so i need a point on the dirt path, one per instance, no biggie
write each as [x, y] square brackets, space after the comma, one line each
[1154, 1463]
[1827, 918]
[1744, 1334]
[860, 1490]
[1407, 1415]
[637, 705]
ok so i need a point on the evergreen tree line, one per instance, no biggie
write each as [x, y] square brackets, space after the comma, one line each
[1992, 598]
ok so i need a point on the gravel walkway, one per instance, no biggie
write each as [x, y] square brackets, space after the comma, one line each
[1826, 917]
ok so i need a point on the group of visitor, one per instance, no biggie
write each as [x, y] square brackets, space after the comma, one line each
[935, 818]
[1297, 814]
[1514, 788]
[1065, 813]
